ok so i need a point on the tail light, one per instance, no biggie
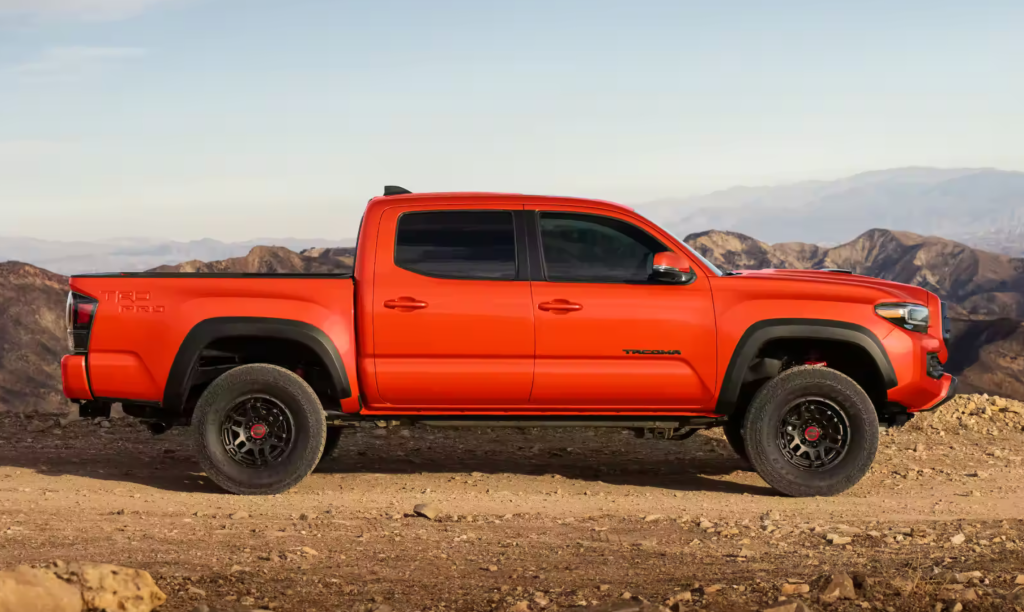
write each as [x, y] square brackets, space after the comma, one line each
[80, 313]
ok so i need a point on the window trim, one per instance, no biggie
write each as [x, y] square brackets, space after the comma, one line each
[515, 237]
[538, 243]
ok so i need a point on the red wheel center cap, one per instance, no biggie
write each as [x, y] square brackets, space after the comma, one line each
[258, 430]
[812, 433]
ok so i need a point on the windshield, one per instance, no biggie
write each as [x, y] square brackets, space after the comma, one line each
[714, 269]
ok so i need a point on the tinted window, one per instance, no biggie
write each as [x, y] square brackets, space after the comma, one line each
[457, 244]
[592, 248]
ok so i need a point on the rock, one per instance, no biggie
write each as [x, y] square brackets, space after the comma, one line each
[429, 511]
[239, 515]
[958, 539]
[105, 424]
[706, 525]
[307, 517]
[650, 518]
[788, 605]
[837, 540]
[109, 587]
[839, 587]
[1019, 580]
[919, 448]
[604, 587]
[38, 426]
[201, 608]
[957, 607]
[968, 595]
[25, 588]
[522, 606]
[309, 551]
[490, 568]
[632, 605]
[541, 600]
[682, 596]
[795, 589]
[965, 577]
[194, 591]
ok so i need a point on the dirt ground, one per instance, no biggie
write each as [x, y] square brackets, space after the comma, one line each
[530, 519]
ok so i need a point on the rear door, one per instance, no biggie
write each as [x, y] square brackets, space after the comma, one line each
[453, 317]
[607, 336]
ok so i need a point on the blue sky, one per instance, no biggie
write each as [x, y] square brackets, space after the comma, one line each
[241, 118]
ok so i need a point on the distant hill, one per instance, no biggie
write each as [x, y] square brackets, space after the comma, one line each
[985, 291]
[980, 207]
[274, 260]
[136, 254]
[33, 338]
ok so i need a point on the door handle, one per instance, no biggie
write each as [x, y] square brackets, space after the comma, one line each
[559, 306]
[405, 303]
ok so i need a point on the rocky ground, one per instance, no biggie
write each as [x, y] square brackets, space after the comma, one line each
[531, 520]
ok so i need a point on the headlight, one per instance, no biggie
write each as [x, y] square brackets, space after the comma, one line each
[909, 316]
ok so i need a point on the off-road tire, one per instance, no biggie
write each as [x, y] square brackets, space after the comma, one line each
[294, 394]
[765, 414]
[733, 430]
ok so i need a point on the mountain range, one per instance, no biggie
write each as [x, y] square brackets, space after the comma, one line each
[137, 254]
[985, 292]
[980, 207]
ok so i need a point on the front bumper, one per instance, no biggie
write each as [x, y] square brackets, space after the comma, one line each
[75, 377]
[949, 394]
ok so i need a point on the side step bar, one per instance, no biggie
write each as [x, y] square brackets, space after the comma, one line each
[337, 418]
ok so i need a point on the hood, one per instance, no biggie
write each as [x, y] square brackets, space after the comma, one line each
[899, 291]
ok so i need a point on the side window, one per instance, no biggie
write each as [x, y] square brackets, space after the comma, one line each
[597, 249]
[457, 244]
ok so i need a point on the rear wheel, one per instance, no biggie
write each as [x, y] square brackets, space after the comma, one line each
[811, 431]
[259, 430]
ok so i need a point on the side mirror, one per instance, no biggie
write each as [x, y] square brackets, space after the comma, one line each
[672, 268]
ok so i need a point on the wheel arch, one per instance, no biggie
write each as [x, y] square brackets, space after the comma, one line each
[763, 333]
[184, 368]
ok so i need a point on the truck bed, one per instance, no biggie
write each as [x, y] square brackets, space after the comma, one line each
[142, 321]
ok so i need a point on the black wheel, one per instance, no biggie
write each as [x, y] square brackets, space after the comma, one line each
[333, 438]
[259, 430]
[734, 436]
[811, 431]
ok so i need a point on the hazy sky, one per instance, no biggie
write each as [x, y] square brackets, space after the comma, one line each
[241, 118]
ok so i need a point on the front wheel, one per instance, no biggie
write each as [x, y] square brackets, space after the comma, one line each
[811, 431]
[259, 430]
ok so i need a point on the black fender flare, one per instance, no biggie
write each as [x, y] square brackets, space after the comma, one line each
[762, 332]
[210, 330]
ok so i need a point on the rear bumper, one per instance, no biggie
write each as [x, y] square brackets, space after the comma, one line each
[75, 378]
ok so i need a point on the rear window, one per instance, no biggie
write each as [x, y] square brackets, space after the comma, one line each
[458, 244]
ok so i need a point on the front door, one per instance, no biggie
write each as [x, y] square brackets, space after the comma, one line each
[607, 336]
[452, 313]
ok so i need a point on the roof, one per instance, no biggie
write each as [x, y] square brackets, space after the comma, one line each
[481, 197]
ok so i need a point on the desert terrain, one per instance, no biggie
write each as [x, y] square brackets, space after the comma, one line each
[529, 520]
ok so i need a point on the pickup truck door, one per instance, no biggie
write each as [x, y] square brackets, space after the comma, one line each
[607, 337]
[452, 312]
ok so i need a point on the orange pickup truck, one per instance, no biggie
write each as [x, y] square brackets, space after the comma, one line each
[491, 310]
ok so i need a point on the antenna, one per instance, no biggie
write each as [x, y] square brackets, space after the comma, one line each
[391, 190]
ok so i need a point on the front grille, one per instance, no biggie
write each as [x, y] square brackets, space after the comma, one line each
[934, 366]
[947, 327]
